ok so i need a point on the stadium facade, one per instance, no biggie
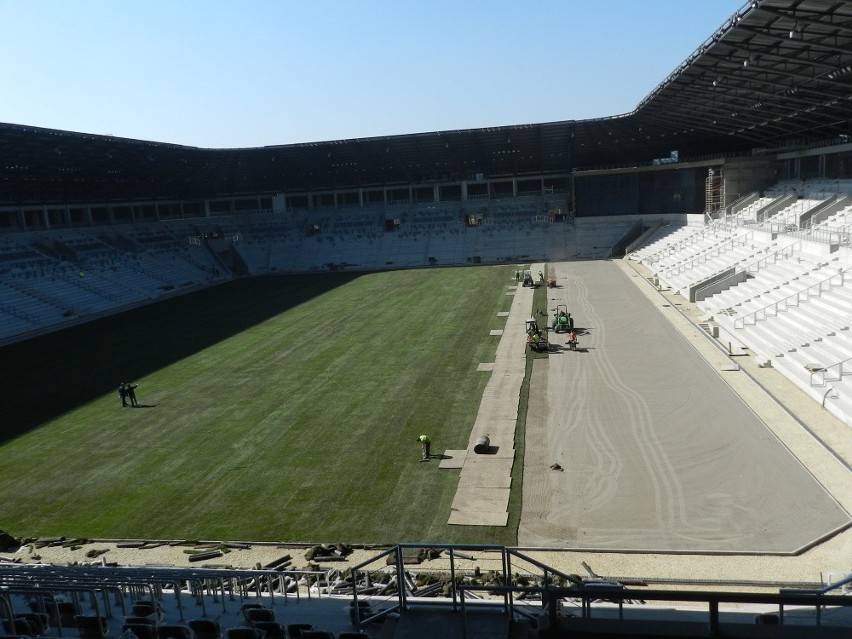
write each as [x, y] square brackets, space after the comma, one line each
[765, 97]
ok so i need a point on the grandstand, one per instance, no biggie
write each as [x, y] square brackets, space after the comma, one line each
[687, 473]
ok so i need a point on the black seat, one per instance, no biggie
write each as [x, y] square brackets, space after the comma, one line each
[17, 626]
[67, 612]
[271, 629]
[206, 629]
[174, 631]
[146, 621]
[244, 632]
[91, 627]
[295, 630]
[254, 615]
[39, 621]
[147, 608]
[141, 630]
[46, 605]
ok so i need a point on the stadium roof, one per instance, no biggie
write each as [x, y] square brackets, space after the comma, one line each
[778, 72]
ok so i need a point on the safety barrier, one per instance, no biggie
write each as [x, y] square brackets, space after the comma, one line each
[815, 290]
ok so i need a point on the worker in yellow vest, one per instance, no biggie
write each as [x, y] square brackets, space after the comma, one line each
[425, 442]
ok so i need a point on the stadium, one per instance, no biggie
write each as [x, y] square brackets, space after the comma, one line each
[627, 340]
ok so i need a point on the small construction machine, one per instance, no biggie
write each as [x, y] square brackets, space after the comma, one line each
[528, 279]
[537, 337]
[562, 320]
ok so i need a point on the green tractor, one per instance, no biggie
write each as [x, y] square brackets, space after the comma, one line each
[562, 320]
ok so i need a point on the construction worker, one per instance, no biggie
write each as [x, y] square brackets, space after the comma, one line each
[572, 340]
[425, 442]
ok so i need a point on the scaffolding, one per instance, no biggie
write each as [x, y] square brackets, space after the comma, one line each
[714, 193]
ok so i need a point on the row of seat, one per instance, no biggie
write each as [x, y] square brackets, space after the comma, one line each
[792, 307]
[87, 612]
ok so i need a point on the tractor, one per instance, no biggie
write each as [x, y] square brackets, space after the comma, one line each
[537, 337]
[562, 320]
[528, 279]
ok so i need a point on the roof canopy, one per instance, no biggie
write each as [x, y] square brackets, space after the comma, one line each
[777, 72]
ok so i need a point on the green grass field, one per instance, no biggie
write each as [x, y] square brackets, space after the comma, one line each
[280, 409]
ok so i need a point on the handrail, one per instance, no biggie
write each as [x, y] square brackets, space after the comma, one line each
[99, 579]
[42, 594]
[847, 581]
[822, 371]
[711, 252]
[570, 578]
[90, 590]
[102, 576]
[840, 236]
[741, 203]
[778, 203]
[754, 267]
[548, 590]
[671, 248]
[619, 594]
[804, 295]
[778, 221]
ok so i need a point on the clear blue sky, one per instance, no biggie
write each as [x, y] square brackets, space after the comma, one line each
[242, 73]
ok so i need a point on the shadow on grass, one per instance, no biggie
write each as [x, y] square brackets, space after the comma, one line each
[49, 375]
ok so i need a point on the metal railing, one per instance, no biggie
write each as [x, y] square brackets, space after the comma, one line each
[553, 587]
[772, 258]
[831, 373]
[618, 594]
[515, 575]
[794, 300]
[710, 253]
[224, 584]
[839, 237]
